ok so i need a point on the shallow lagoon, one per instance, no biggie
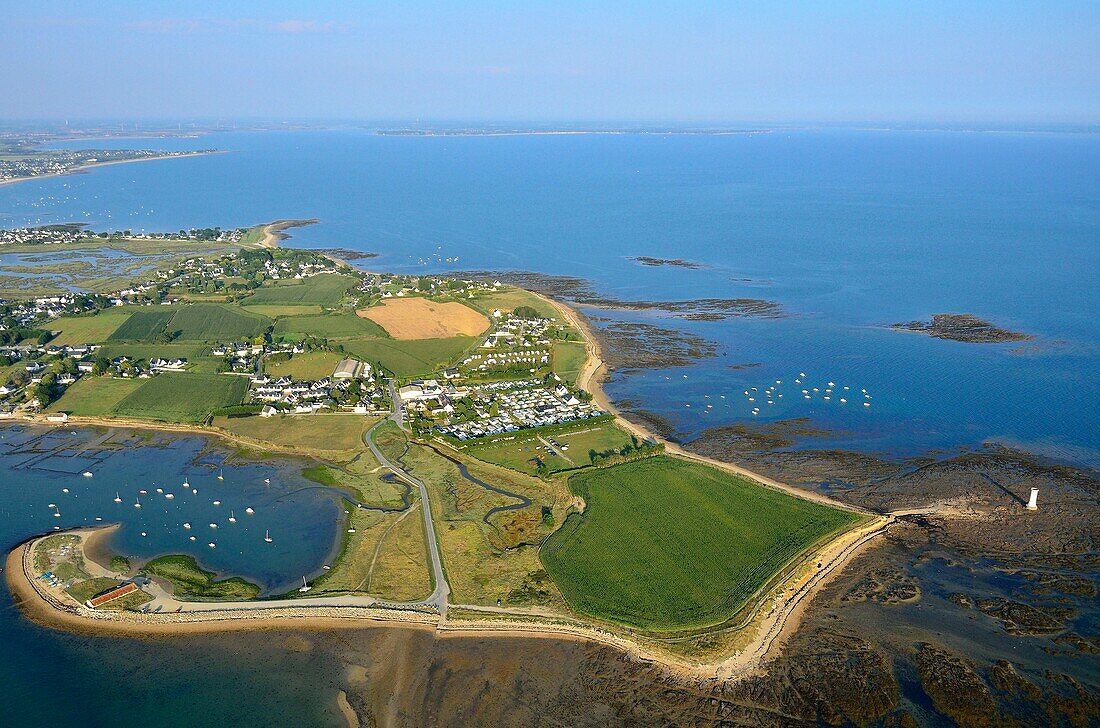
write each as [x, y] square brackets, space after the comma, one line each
[59, 679]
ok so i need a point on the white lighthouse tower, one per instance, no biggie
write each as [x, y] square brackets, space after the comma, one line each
[1033, 502]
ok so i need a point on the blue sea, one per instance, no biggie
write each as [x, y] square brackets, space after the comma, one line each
[848, 231]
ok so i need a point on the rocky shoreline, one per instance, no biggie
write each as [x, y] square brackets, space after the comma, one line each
[963, 327]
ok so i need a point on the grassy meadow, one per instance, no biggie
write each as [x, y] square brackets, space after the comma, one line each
[183, 397]
[567, 360]
[307, 365]
[411, 358]
[215, 322]
[144, 324]
[668, 545]
[323, 290]
[95, 396]
[94, 329]
[338, 436]
[518, 450]
[332, 326]
[191, 581]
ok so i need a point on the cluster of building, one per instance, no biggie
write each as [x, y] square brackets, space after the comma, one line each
[353, 386]
[467, 413]
[386, 285]
[61, 161]
[197, 274]
[515, 343]
[244, 357]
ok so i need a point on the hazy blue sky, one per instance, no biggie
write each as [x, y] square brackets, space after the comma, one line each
[546, 61]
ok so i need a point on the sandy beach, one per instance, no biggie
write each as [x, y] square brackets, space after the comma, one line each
[273, 231]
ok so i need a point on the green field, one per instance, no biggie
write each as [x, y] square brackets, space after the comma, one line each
[336, 436]
[191, 581]
[276, 311]
[409, 358]
[567, 359]
[88, 329]
[182, 397]
[311, 365]
[333, 326]
[95, 396]
[325, 290]
[214, 322]
[509, 299]
[519, 449]
[188, 351]
[144, 325]
[666, 545]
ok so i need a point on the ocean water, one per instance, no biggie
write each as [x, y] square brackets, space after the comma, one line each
[849, 231]
[53, 678]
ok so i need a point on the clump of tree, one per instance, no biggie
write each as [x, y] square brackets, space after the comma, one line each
[634, 450]
[45, 391]
[526, 312]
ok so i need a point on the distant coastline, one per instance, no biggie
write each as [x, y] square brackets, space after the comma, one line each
[569, 132]
[84, 167]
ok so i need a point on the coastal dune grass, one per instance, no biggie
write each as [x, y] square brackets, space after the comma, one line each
[667, 545]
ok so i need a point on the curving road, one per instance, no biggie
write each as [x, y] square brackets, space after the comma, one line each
[438, 598]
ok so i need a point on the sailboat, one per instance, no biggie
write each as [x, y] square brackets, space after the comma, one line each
[305, 587]
[186, 484]
[117, 498]
[232, 518]
[221, 476]
[267, 536]
[137, 504]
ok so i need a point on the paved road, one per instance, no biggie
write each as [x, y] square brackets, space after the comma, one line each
[438, 598]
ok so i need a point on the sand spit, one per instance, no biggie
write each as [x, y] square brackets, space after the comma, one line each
[273, 231]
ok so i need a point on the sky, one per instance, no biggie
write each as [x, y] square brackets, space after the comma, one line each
[529, 60]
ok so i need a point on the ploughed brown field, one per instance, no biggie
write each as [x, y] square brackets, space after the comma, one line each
[419, 318]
